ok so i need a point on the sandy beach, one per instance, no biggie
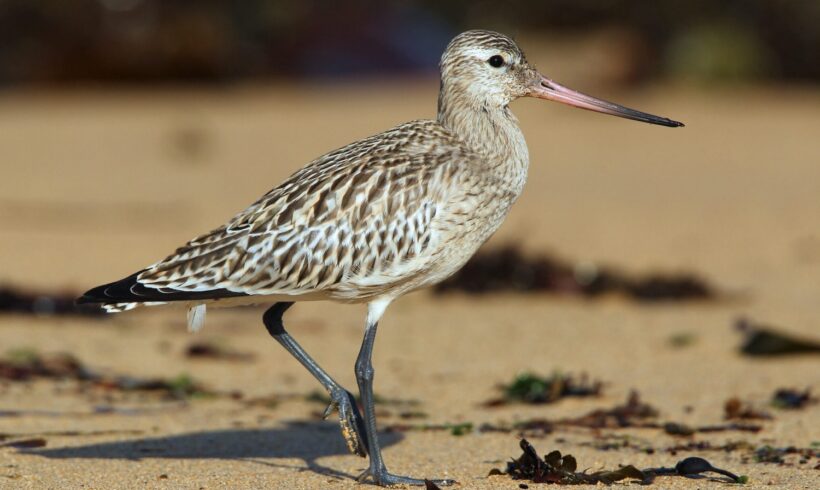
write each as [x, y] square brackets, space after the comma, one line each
[98, 185]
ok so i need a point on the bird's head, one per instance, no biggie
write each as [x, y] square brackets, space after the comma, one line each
[488, 70]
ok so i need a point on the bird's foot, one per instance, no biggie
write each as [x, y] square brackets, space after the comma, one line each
[350, 421]
[386, 479]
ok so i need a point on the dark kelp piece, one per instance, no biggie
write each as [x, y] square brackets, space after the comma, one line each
[29, 443]
[695, 465]
[792, 399]
[737, 427]
[691, 466]
[763, 340]
[25, 364]
[561, 469]
[535, 389]
[736, 409]
[678, 429]
[509, 269]
[634, 413]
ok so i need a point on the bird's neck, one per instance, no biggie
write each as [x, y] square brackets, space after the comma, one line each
[490, 131]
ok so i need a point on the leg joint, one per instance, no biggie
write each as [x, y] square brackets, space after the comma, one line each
[364, 371]
[273, 318]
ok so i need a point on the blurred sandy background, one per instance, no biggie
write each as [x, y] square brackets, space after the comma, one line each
[133, 127]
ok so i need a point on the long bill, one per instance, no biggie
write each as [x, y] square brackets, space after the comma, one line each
[549, 90]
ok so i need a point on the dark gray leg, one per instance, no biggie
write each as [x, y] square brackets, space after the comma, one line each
[349, 418]
[364, 376]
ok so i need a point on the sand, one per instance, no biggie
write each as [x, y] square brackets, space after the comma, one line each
[97, 185]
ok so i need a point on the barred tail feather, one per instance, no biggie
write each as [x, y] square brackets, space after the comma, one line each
[127, 293]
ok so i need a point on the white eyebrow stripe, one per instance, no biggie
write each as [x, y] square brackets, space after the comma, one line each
[484, 53]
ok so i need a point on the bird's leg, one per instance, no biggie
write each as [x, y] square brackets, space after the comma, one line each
[364, 376]
[353, 428]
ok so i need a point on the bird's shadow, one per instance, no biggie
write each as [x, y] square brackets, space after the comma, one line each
[308, 441]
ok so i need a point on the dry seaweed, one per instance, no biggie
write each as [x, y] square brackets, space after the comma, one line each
[638, 414]
[763, 340]
[534, 389]
[736, 427]
[562, 469]
[508, 269]
[633, 413]
[180, 387]
[539, 427]
[736, 409]
[771, 454]
[26, 364]
[18, 301]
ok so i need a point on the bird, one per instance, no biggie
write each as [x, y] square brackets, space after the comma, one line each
[371, 221]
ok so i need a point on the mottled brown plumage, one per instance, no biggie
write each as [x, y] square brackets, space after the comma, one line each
[354, 224]
[373, 220]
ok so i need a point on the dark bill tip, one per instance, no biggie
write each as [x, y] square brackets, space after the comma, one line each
[547, 89]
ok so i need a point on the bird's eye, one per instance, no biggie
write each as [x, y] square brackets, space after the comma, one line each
[496, 61]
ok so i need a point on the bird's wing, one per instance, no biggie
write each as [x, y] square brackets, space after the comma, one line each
[359, 210]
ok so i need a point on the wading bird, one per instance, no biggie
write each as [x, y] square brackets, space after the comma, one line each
[371, 221]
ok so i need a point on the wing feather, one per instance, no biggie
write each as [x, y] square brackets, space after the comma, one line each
[361, 211]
